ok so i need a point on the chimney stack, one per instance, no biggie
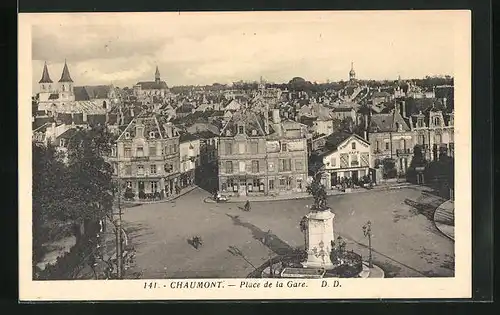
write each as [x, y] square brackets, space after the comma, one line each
[84, 116]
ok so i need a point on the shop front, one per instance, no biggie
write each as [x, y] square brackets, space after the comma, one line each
[332, 179]
[242, 185]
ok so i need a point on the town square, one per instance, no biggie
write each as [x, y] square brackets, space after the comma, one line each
[183, 160]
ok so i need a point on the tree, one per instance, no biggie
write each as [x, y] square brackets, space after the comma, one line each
[89, 190]
[49, 175]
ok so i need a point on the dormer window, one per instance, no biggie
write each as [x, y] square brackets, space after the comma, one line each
[437, 121]
[228, 133]
[152, 135]
[127, 135]
[62, 143]
[353, 146]
[420, 123]
[241, 129]
[139, 131]
[254, 132]
[283, 147]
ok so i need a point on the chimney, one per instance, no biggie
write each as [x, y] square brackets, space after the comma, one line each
[276, 116]
[84, 116]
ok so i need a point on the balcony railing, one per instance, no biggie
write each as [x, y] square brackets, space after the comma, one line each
[140, 158]
[404, 151]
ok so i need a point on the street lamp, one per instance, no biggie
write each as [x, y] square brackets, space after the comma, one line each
[367, 231]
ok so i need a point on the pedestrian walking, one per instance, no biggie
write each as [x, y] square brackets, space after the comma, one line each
[247, 206]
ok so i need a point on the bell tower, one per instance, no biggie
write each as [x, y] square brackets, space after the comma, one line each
[45, 84]
[352, 73]
[66, 85]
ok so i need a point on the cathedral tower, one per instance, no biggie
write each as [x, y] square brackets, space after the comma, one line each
[66, 85]
[45, 84]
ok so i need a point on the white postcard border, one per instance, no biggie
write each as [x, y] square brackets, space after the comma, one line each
[456, 287]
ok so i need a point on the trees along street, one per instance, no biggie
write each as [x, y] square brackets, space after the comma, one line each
[79, 192]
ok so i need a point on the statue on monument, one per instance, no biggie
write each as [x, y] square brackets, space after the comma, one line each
[318, 191]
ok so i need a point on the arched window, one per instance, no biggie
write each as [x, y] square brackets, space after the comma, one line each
[103, 104]
[43, 87]
[437, 138]
[436, 121]
[63, 88]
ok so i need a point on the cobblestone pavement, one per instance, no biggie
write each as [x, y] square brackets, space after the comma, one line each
[405, 240]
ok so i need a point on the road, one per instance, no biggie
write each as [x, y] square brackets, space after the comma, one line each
[405, 240]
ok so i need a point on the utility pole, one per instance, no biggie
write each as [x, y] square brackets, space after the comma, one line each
[118, 230]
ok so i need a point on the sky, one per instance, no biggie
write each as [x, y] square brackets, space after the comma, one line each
[204, 48]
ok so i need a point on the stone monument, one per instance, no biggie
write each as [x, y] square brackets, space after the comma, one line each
[319, 239]
[317, 226]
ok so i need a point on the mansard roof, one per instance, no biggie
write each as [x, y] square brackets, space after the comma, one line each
[249, 119]
[153, 125]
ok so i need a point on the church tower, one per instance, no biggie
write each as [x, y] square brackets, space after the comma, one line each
[157, 76]
[45, 84]
[352, 73]
[66, 85]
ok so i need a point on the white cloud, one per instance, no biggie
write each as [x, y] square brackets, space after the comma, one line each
[195, 48]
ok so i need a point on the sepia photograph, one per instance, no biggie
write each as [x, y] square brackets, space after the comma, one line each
[231, 155]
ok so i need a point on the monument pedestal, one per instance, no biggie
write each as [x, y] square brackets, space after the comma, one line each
[319, 238]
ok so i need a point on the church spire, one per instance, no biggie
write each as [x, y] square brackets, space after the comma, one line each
[65, 77]
[157, 75]
[45, 75]
[352, 73]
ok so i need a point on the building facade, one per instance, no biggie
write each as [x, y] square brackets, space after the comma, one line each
[392, 141]
[434, 133]
[345, 156]
[189, 155]
[259, 157]
[146, 156]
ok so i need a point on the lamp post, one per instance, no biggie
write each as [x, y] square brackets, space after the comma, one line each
[367, 231]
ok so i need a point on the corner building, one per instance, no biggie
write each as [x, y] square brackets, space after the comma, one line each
[147, 157]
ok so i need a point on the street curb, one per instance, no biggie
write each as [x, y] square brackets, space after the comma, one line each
[374, 272]
[270, 199]
[438, 224]
[140, 203]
